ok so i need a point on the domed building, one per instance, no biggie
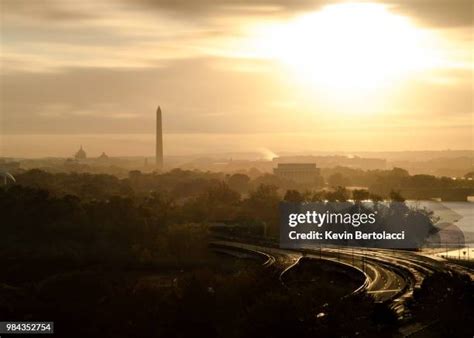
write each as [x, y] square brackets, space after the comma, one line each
[103, 157]
[6, 177]
[81, 154]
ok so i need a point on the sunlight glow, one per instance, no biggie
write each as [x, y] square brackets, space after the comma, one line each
[348, 49]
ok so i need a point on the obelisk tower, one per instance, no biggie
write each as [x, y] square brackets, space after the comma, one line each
[159, 140]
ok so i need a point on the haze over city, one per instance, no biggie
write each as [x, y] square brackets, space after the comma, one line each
[231, 76]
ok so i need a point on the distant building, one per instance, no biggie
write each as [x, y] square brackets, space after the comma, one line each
[333, 161]
[81, 154]
[6, 177]
[301, 173]
[103, 157]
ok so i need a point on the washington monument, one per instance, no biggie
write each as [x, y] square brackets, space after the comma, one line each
[159, 140]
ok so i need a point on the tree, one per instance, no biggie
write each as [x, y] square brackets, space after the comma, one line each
[375, 198]
[338, 180]
[399, 172]
[318, 196]
[340, 195]
[360, 195]
[262, 205]
[395, 196]
[293, 196]
[239, 182]
[222, 193]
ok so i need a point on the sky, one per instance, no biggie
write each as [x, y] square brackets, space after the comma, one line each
[235, 76]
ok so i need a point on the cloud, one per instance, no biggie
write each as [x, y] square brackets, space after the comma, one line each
[51, 34]
[196, 96]
[126, 36]
[48, 10]
[187, 7]
[436, 13]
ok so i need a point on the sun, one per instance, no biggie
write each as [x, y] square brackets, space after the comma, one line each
[347, 49]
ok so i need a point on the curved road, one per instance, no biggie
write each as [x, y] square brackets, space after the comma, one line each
[391, 275]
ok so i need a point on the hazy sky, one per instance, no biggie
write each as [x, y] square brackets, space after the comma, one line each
[235, 75]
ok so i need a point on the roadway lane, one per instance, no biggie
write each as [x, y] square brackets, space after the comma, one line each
[391, 275]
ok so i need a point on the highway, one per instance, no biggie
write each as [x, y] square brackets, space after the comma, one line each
[391, 276]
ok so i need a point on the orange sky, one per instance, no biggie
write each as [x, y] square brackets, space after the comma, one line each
[235, 75]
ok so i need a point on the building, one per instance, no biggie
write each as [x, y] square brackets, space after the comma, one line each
[103, 157]
[159, 140]
[81, 154]
[333, 161]
[301, 173]
[6, 177]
